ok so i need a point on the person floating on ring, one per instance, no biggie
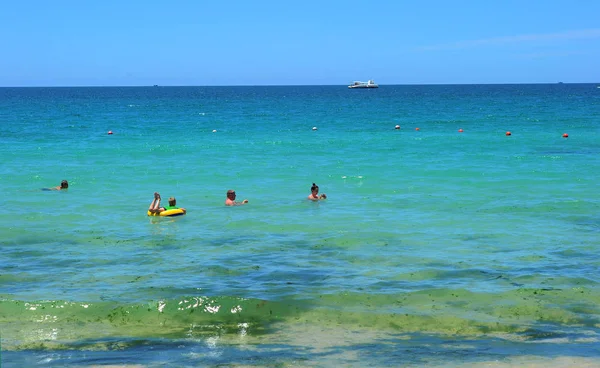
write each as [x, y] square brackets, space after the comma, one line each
[156, 208]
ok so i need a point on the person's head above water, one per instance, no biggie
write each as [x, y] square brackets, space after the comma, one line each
[230, 201]
[172, 202]
[314, 193]
[64, 184]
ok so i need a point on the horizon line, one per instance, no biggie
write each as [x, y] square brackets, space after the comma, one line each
[286, 85]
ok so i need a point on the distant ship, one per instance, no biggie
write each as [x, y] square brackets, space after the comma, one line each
[369, 84]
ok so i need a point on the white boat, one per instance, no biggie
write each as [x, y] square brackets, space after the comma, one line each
[369, 84]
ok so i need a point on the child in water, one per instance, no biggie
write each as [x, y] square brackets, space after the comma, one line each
[155, 206]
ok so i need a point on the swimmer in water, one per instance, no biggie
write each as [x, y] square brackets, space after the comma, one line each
[230, 200]
[156, 208]
[63, 185]
[314, 193]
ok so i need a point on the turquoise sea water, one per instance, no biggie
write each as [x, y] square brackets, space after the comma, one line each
[434, 247]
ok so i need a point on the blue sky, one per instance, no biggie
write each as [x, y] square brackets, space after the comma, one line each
[110, 43]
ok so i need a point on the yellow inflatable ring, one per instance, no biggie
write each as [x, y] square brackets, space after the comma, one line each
[171, 213]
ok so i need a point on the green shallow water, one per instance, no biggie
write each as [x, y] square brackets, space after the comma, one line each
[429, 241]
[527, 313]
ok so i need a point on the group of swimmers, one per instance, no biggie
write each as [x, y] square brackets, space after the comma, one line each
[229, 200]
[156, 208]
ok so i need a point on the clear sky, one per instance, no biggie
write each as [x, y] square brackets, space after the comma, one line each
[254, 42]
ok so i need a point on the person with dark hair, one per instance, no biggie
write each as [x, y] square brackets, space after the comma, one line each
[230, 200]
[156, 208]
[63, 185]
[314, 193]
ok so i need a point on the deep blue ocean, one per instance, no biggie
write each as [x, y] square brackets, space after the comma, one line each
[435, 247]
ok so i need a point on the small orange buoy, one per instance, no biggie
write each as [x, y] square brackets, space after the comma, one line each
[397, 127]
[460, 130]
[110, 132]
[417, 129]
[565, 135]
[508, 133]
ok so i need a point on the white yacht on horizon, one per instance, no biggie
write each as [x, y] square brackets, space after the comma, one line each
[369, 84]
